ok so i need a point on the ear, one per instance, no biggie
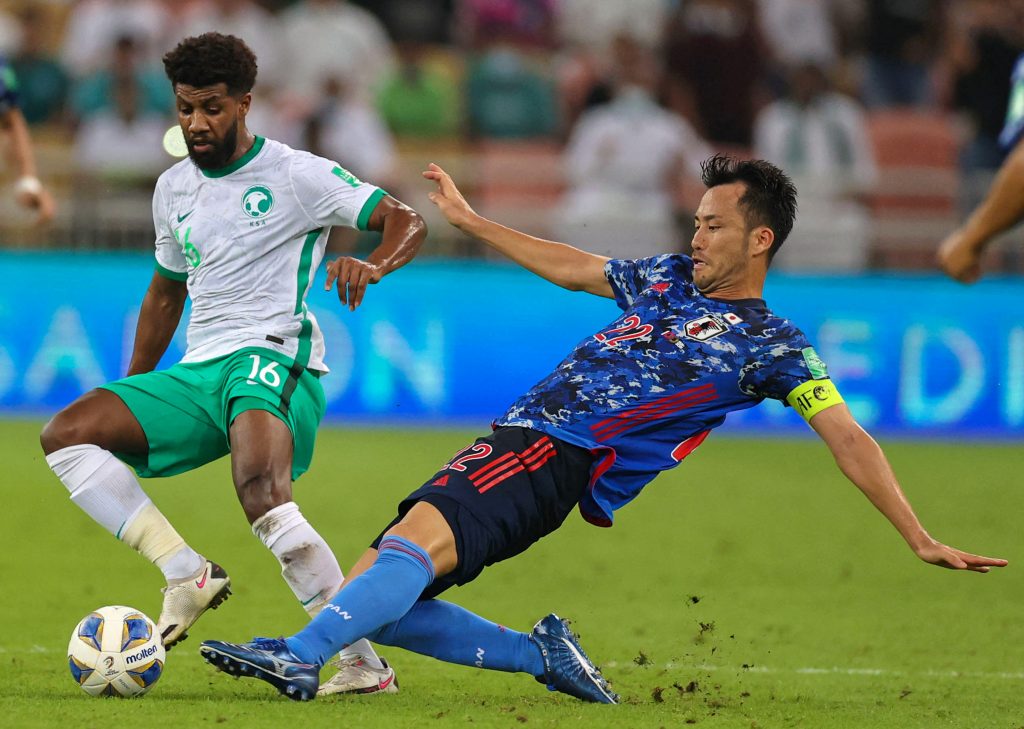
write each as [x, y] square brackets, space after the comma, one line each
[761, 240]
[243, 104]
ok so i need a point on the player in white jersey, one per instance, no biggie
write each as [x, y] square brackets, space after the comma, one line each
[240, 228]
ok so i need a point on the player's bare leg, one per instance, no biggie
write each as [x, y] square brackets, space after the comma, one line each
[100, 418]
[79, 443]
[261, 467]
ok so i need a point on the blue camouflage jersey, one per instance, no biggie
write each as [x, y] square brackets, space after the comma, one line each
[646, 390]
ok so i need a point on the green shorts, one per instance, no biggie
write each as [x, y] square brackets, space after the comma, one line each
[186, 410]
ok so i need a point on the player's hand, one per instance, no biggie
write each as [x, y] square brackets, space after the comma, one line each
[353, 275]
[448, 199]
[959, 258]
[41, 202]
[939, 554]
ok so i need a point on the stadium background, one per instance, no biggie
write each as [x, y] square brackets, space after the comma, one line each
[497, 92]
[494, 90]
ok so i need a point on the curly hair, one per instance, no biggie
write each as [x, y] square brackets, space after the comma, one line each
[770, 197]
[212, 58]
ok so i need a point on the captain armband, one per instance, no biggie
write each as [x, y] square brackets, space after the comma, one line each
[812, 397]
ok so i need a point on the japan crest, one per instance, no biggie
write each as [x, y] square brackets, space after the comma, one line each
[704, 328]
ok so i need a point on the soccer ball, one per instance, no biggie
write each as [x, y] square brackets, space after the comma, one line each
[116, 651]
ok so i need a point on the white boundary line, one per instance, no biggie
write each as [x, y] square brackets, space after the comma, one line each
[31, 649]
[835, 671]
[710, 668]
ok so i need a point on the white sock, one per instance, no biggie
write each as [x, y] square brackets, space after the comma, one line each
[364, 650]
[106, 489]
[307, 564]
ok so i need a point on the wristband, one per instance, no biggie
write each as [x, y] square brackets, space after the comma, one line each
[29, 185]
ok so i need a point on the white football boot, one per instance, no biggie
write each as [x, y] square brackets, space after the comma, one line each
[185, 601]
[355, 676]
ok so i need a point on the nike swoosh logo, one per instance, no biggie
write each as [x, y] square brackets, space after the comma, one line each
[202, 583]
[386, 682]
[181, 218]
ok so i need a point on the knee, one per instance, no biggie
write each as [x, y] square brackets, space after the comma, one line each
[60, 432]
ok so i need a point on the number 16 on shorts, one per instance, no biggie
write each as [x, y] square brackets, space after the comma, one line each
[267, 374]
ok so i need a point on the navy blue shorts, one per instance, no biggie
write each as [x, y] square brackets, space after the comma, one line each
[500, 495]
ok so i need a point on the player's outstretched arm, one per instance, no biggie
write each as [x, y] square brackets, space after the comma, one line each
[403, 232]
[862, 461]
[559, 263]
[158, 318]
[960, 253]
[28, 189]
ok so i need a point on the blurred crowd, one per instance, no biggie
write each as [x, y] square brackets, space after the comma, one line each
[602, 110]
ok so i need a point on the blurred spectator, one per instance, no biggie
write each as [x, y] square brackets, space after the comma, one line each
[419, 99]
[124, 143]
[93, 26]
[715, 57]
[245, 19]
[800, 31]
[347, 129]
[10, 34]
[987, 37]
[270, 116]
[416, 21]
[97, 92]
[819, 137]
[594, 24]
[587, 30]
[334, 39]
[526, 23]
[625, 163]
[509, 97]
[902, 42]
[44, 83]
[584, 81]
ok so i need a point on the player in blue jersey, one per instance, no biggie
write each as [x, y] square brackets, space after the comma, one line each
[695, 341]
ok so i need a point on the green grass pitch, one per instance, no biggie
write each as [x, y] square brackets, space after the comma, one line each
[752, 587]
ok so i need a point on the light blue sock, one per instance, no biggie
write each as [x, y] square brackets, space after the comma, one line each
[381, 595]
[451, 633]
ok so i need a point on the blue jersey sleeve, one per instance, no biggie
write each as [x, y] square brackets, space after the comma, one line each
[8, 87]
[779, 369]
[629, 277]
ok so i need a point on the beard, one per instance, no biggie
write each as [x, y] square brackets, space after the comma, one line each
[218, 154]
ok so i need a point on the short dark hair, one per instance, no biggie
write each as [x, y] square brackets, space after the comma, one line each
[212, 58]
[770, 197]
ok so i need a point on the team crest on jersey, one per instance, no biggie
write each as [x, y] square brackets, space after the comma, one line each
[704, 328]
[257, 201]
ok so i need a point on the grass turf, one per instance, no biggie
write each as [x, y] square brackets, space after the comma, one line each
[752, 587]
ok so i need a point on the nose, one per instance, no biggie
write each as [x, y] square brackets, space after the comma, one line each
[197, 123]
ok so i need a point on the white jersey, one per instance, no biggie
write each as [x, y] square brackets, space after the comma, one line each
[248, 238]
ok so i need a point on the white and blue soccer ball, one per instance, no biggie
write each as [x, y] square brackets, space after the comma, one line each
[116, 651]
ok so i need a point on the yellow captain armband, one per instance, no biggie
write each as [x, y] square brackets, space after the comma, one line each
[812, 397]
